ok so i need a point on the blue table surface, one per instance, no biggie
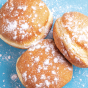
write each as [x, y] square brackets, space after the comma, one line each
[9, 54]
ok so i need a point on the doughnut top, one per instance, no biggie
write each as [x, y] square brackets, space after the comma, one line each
[76, 25]
[22, 20]
[42, 65]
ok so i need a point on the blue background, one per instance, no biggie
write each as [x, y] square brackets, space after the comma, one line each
[9, 54]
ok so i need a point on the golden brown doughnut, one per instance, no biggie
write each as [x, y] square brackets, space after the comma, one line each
[70, 34]
[23, 22]
[43, 66]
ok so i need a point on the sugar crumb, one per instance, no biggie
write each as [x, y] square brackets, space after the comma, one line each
[0, 55]
[14, 77]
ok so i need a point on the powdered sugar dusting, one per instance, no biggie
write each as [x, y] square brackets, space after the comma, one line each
[57, 7]
[39, 85]
[11, 25]
[24, 75]
[12, 28]
[21, 24]
[44, 71]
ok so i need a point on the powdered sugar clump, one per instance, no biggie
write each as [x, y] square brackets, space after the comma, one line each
[47, 83]
[22, 7]
[41, 4]
[11, 25]
[37, 59]
[46, 62]
[43, 76]
[24, 75]
[25, 26]
[39, 68]
[39, 85]
[34, 78]
[56, 80]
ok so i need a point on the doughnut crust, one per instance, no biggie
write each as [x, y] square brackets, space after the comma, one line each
[43, 66]
[23, 22]
[70, 34]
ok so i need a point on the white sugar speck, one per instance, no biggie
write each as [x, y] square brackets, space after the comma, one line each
[39, 68]
[46, 62]
[33, 7]
[41, 4]
[57, 68]
[39, 25]
[55, 79]
[55, 60]
[53, 72]
[34, 78]
[28, 65]
[43, 76]
[40, 30]
[69, 68]
[39, 85]
[29, 77]
[80, 79]
[3, 80]
[9, 57]
[3, 85]
[0, 55]
[36, 15]
[48, 77]
[15, 35]
[47, 83]
[83, 85]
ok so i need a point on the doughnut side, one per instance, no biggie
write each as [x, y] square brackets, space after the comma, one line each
[67, 39]
[19, 74]
[42, 65]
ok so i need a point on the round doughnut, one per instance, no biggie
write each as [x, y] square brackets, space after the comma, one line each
[70, 34]
[43, 66]
[23, 22]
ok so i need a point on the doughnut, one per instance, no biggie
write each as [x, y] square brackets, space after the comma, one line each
[23, 22]
[43, 66]
[70, 34]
